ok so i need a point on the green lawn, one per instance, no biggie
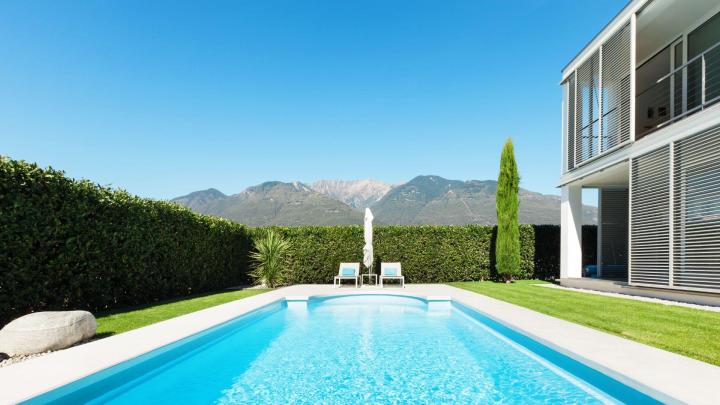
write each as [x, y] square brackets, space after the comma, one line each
[690, 332]
[129, 319]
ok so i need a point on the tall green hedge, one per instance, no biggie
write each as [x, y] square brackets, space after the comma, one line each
[429, 254]
[67, 244]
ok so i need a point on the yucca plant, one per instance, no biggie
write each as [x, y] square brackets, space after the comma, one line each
[269, 259]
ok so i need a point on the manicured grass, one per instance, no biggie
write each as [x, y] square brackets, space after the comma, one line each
[129, 319]
[690, 332]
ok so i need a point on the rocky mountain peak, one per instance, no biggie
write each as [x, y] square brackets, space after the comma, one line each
[355, 193]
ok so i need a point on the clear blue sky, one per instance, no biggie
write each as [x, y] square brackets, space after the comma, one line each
[166, 97]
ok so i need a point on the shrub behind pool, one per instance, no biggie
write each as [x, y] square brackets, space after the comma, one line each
[67, 244]
[429, 253]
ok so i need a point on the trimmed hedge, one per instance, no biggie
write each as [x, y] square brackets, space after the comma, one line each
[429, 254]
[67, 244]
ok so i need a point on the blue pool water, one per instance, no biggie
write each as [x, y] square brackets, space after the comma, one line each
[351, 349]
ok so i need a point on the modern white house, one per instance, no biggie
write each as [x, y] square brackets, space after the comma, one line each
[641, 124]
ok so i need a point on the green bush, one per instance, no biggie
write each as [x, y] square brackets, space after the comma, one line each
[268, 259]
[67, 244]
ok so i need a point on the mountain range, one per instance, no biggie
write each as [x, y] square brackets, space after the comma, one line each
[422, 200]
[273, 203]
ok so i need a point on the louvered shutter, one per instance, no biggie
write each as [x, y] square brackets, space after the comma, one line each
[696, 212]
[587, 109]
[650, 218]
[570, 135]
[614, 232]
[616, 89]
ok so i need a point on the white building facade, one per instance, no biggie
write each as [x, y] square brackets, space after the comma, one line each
[641, 124]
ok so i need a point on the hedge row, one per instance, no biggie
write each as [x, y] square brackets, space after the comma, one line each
[429, 254]
[67, 244]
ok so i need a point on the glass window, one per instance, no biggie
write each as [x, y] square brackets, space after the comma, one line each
[704, 36]
[653, 98]
[699, 41]
[678, 55]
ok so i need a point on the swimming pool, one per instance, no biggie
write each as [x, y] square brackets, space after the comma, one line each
[351, 349]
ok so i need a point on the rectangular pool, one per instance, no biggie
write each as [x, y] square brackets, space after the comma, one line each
[351, 349]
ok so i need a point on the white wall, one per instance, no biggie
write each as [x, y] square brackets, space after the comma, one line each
[571, 231]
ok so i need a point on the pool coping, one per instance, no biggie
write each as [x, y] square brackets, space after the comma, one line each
[666, 376]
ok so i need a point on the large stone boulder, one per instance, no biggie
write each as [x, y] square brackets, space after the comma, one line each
[42, 331]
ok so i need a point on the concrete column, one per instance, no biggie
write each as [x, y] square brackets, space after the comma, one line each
[571, 232]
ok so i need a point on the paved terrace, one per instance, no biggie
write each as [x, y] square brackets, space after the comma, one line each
[666, 376]
[623, 288]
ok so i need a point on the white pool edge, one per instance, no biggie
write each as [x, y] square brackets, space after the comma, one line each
[666, 376]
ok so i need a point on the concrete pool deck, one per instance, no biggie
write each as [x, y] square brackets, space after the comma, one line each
[668, 377]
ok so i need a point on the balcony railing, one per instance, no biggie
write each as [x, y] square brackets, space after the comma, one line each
[684, 91]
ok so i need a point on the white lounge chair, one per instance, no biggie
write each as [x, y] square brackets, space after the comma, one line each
[391, 271]
[348, 271]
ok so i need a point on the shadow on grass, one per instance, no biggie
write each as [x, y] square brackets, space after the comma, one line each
[121, 320]
[116, 311]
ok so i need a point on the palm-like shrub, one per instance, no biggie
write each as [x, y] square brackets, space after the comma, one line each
[507, 247]
[269, 259]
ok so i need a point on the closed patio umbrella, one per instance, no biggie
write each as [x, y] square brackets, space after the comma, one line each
[368, 249]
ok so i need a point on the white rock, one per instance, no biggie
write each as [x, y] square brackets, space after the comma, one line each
[42, 331]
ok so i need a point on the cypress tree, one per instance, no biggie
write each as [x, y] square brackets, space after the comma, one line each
[507, 246]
